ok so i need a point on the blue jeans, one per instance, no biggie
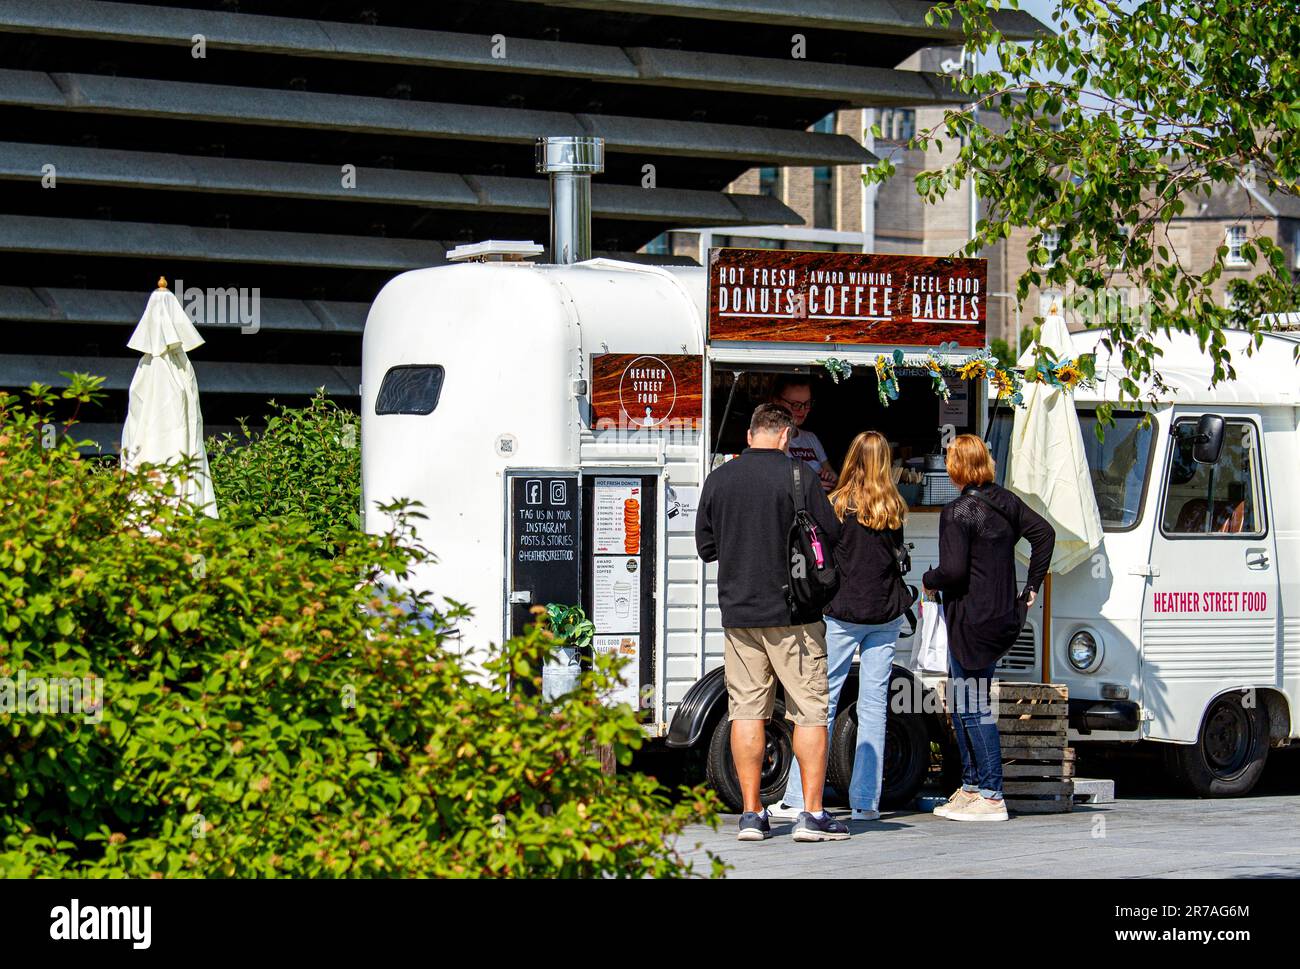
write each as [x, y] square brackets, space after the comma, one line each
[976, 729]
[843, 641]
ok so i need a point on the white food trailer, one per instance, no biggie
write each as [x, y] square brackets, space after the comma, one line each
[556, 422]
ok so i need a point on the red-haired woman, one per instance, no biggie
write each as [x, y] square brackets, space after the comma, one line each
[976, 574]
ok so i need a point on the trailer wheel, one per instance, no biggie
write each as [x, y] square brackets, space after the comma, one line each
[907, 755]
[720, 768]
[1228, 756]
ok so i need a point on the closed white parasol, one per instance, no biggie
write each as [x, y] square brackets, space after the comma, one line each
[1048, 467]
[163, 422]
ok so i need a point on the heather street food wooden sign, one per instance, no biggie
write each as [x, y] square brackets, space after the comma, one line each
[846, 297]
[638, 391]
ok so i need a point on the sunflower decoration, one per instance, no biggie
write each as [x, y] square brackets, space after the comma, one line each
[976, 368]
[934, 370]
[1068, 375]
[1006, 385]
[887, 377]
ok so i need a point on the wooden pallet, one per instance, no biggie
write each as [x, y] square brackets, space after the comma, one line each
[1037, 764]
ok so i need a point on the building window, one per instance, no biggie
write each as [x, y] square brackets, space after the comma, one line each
[769, 182]
[1235, 241]
[1295, 245]
[823, 198]
[826, 125]
[1051, 241]
[897, 124]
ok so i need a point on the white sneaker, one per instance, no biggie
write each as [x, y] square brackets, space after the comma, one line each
[783, 812]
[861, 815]
[980, 809]
[960, 798]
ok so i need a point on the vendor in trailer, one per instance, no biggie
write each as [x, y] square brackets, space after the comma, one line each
[795, 394]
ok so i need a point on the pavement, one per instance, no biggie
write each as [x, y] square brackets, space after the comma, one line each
[1139, 836]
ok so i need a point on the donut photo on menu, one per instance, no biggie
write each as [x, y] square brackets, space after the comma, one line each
[632, 526]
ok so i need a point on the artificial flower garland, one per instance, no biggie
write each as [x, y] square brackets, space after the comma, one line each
[1006, 382]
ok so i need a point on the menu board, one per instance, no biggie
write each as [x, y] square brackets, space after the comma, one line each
[616, 527]
[629, 648]
[545, 544]
[620, 530]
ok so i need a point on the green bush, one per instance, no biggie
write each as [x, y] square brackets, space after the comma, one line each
[306, 464]
[269, 710]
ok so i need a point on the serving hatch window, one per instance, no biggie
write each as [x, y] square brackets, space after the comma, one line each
[915, 424]
[1118, 464]
[410, 389]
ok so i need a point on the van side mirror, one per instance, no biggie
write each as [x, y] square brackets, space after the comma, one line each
[1208, 443]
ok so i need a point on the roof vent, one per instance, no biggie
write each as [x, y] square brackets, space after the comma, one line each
[494, 250]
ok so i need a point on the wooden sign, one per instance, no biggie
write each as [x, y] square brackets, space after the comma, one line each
[638, 391]
[846, 297]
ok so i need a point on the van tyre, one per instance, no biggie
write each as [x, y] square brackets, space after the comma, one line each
[1228, 756]
[907, 755]
[720, 768]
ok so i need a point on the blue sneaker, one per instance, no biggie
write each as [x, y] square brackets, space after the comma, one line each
[810, 827]
[754, 827]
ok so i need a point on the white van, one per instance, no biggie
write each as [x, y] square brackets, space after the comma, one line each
[557, 421]
[1185, 627]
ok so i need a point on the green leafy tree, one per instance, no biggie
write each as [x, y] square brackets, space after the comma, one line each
[1109, 128]
[266, 710]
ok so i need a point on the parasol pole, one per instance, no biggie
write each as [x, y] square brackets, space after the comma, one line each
[1047, 629]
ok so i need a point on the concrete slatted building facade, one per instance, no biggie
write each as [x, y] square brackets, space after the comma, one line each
[302, 152]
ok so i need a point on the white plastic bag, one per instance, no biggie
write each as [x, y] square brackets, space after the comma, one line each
[930, 654]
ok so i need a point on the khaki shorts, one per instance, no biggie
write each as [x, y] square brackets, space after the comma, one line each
[756, 658]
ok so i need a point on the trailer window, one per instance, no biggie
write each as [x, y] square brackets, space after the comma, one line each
[410, 389]
[1213, 499]
[1119, 464]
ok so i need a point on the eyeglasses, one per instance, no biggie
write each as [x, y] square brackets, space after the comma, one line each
[797, 405]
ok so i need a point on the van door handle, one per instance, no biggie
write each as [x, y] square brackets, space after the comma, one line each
[1257, 558]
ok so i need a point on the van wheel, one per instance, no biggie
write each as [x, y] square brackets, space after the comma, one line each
[907, 755]
[1228, 756]
[720, 768]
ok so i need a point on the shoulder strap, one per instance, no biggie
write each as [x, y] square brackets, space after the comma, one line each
[994, 505]
[798, 487]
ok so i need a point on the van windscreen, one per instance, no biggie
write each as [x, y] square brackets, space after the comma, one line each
[1118, 464]
[410, 389]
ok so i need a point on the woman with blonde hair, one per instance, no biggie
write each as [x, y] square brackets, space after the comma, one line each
[976, 574]
[865, 615]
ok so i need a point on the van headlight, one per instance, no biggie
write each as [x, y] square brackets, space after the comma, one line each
[1085, 651]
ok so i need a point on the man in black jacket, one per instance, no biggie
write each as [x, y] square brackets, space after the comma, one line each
[743, 523]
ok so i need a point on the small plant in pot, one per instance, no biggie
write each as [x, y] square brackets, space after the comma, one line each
[574, 631]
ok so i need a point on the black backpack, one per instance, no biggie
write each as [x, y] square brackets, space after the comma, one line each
[814, 578]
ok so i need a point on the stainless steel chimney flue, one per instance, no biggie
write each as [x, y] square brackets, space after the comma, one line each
[570, 161]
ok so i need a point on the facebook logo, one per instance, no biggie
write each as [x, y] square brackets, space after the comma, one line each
[533, 492]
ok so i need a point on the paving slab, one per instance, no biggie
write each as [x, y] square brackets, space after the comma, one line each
[1135, 837]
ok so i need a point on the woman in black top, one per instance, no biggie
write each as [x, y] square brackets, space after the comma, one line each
[984, 614]
[866, 614]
